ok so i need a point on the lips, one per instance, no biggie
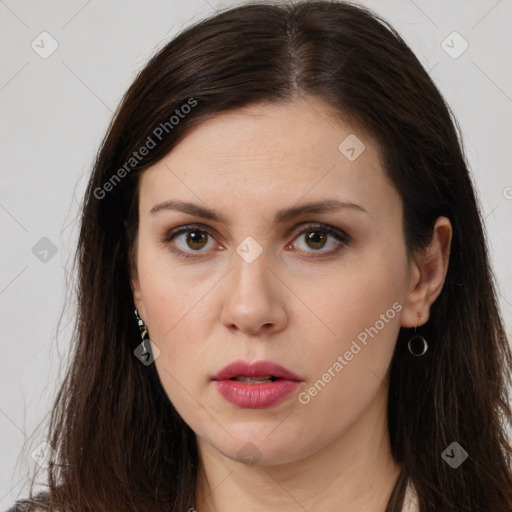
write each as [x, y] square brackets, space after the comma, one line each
[257, 370]
[256, 385]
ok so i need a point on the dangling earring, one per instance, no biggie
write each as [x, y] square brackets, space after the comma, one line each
[417, 344]
[146, 351]
[143, 330]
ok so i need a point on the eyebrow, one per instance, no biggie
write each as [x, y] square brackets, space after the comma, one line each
[281, 216]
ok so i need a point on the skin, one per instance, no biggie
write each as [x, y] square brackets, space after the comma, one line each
[332, 453]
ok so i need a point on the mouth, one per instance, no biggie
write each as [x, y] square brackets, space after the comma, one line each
[256, 385]
[258, 372]
[254, 380]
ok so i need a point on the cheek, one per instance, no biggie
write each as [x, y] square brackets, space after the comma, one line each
[172, 293]
[346, 369]
[177, 329]
[356, 316]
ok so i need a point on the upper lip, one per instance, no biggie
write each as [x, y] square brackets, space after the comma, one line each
[255, 369]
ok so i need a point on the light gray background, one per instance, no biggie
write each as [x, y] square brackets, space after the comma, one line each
[55, 111]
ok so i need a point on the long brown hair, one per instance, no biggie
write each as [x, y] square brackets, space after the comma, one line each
[120, 443]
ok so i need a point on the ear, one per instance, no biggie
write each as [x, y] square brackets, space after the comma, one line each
[427, 275]
[135, 285]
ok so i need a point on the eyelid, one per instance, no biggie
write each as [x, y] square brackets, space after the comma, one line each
[342, 237]
[168, 235]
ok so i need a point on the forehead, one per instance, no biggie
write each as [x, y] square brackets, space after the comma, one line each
[298, 131]
[279, 153]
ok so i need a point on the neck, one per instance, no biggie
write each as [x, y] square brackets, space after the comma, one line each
[355, 473]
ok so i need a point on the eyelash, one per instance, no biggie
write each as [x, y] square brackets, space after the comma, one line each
[339, 235]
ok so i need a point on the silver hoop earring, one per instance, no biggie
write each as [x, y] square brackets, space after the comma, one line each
[417, 345]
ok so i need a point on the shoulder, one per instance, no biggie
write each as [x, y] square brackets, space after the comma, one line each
[23, 506]
[37, 504]
[411, 499]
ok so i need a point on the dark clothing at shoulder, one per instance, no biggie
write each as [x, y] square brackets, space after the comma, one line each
[19, 507]
[23, 506]
[31, 506]
[26, 506]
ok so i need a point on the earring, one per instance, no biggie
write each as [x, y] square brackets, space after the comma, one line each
[143, 332]
[417, 344]
[147, 351]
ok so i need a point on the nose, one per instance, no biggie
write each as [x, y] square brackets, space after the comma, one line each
[255, 298]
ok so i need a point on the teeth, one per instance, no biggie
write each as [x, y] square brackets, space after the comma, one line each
[254, 380]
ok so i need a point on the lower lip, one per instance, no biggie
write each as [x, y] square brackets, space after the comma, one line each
[256, 396]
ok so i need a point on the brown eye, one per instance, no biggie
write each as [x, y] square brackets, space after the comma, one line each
[191, 241]
[316, 237]
[187, 240]
[196, 239]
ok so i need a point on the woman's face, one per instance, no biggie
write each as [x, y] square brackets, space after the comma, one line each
[319, 292]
